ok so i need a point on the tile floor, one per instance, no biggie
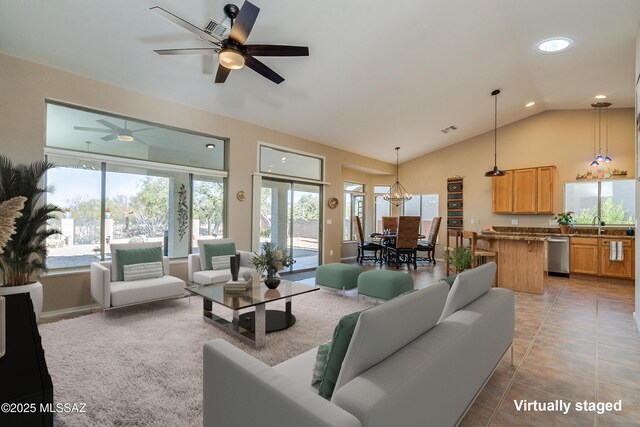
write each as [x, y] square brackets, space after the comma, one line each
[576, 342]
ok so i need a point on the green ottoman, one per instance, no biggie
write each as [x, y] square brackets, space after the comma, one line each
[338, 276]
[383, 284]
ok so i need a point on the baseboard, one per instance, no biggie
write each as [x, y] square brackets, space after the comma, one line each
[64, 311]
[637, 319]
[350, 258]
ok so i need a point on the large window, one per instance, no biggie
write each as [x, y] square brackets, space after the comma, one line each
[612, 201]
[353, 206]
[125, 198]
[425, 206]
[381, 206]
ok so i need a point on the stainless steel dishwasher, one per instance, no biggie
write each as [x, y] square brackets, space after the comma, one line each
[558, 256]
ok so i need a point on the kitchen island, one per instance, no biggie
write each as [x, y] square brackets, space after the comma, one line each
[522, 261]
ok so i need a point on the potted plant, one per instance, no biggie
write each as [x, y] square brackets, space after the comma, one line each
[26, 252]
[565, 221]
[461, 258]
[270, 261]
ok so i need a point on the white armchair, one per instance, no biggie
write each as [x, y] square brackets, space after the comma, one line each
[198, 273]
[110, 292]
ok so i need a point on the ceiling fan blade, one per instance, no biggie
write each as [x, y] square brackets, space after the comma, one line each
[108, 124]
[140, 141]
[188, 51]
[92, 129]
[186, 25]
[244, 22]
[222, 74]
[141, 130]
[109, 137]
[262, 69]
[276, 50]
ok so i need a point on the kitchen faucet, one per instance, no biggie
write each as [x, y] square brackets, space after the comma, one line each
[599, 223]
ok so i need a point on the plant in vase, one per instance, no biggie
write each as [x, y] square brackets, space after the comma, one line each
[26, 252]
[460, 258]
[270, 260]
[565, 221]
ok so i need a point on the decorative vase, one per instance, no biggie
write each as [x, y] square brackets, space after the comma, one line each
[35, 291]
[3, 329]
[564, 229]
[273, 279]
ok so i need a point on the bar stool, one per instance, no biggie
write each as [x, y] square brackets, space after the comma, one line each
[480, 255]
[456, 235]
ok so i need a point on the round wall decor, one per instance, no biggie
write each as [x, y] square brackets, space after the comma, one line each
[333, 203]
[241, 196]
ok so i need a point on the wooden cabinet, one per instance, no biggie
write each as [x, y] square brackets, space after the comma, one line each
[622, 269]
[584, 255]
[590, 255]
[524, 191]
[545, 190]
[502, 189]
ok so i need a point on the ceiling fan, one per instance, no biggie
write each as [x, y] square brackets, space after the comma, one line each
[233, 53]
[115, 132]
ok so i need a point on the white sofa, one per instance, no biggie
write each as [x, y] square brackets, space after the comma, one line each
[417, 360]
[111, 293]
[199, 275]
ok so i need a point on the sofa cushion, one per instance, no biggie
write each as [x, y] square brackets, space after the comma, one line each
[208, 277]
[469, 286]
[322, 356]
[209, 241]
[298, 369]
[339, 344]
[123, 293]
[384, 329]
[221, 262]
[216, 250]
[144, 270]
[114, 247]
[136, 256]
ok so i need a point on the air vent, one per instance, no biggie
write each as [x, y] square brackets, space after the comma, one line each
[449, 129]
[216, 28]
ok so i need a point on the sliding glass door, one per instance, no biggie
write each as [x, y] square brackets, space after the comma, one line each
[290, 217]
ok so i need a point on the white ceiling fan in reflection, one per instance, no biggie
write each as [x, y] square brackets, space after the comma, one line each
[113, 131]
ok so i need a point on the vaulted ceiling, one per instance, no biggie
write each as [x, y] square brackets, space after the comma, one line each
[379, 74]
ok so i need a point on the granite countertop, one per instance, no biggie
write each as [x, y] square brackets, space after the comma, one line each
[513, 236]
[611, 233]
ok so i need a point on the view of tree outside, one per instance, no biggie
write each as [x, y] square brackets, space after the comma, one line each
[208, 205]
[613, 201]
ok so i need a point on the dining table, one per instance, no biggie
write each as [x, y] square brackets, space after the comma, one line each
[386, 239]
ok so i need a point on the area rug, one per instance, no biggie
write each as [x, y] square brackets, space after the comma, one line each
[142, 366]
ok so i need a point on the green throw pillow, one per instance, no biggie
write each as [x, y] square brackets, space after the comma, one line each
[219, 249]
[136, 256]
[340, 343]
[450, 280]
[321, 363]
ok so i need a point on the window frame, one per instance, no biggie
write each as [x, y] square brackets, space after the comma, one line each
[599, 203]
[377, 195]
[353, 195]
[422, 217]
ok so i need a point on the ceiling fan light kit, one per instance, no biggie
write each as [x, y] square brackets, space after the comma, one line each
[233, 52]
[495, 171]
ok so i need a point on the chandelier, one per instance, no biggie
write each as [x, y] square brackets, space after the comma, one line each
[397, 195]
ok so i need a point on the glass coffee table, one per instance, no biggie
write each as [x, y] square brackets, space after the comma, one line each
[251, 327]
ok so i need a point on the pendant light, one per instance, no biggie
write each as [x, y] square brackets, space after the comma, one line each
[495, 171]
[397, 194]
[597, 134]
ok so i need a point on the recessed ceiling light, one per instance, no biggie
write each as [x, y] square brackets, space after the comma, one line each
[601, 96]
[555, 45]
[210, 146]
[530, 104]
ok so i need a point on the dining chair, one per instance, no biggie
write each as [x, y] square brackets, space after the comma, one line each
[390, 223]
[366, 245]
[429, 245]
[480, 255]
[404, 251]
[455, 236]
